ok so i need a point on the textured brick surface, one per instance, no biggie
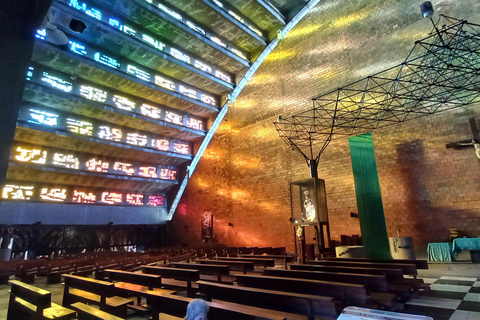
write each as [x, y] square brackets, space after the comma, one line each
[243, 179]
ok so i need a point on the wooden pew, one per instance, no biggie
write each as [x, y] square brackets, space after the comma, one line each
[409, 269]
[272, 250]
[83, 267]
[209, 269]
[187, 275]
[86, 312]
[91, 291]
[7, 269]
[29, 302]
[390, 274]
[182, 257]
[150, 281]
[242, 266]
[177, 305]
[309, 305]
[103, 264]
[421, 264]
[264, 262]
[27, 270]
[285, 257]
[406, 288]
[371, 282]
[53, 270]
[343, 291]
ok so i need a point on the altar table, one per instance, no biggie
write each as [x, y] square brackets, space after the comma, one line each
[472, 244]
[440, 251]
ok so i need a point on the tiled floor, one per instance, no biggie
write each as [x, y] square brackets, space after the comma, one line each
[454, 293]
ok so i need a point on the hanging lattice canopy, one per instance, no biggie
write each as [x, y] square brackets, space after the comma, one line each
[440, 73]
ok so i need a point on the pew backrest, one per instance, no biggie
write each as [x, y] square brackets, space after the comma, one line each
[371, 282]
[40, 298]
[179, 274]
[147, 280]
[409, 269]
[343, 291]
[390, 274]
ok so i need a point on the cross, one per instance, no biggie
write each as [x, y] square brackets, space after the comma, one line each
[475, 141]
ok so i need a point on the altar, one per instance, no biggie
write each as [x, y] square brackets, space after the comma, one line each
[472, 244]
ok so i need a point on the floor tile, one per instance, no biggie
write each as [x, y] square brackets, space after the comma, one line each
[475, 289]
[446, 287]
[435, 313]
[472, 297]
[429, 280]
[435, 302]
[458, 278]
[444, 294]
[455, 282]
[469, 306]
[465, 315]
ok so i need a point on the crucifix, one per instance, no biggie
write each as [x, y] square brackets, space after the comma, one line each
[475, 141]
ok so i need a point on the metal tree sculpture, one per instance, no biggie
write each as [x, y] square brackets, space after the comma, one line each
[440, 73]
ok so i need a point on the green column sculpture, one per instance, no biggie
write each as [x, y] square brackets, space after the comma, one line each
[369, 198]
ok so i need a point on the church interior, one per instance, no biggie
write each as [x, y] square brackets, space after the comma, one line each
[298, 159]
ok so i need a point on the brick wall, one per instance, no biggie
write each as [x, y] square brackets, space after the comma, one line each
[243, 178]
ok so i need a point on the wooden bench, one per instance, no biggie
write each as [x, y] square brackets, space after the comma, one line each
[256, 261]
[29, 302]
[54, 269]
[390, 274]
[409, 269]
[271, 250]
[421, 264]
[242, 266]
[177, 305]
[187, 275]
[7, 268]
[342, 291]
[91, 291]
[86, 312]
[310, 305]
[27, 270]
[371, 282]
[150, 281]
[182, 257]
[83, 267]
[218, 270]
[285, 257]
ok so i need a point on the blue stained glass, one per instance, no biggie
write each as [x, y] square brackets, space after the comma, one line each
[95, 13]
[77, 5]
[92, 12]
[78, 48]
[41, 34]
[109, 61]
[114, 23]
[30, 73]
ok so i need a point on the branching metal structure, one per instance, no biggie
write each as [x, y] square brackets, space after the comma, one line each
[440, 73]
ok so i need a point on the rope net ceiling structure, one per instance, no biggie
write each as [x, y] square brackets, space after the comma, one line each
[441, 72]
